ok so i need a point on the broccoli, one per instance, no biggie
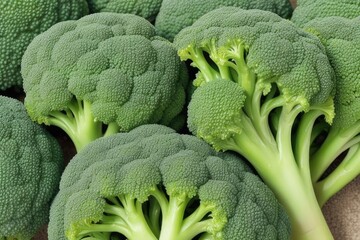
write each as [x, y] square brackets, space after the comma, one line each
[154, 183]
[31, 164]
[341, 38]
[101, 74]
[20, 22]
[145, 8]
[262, 83]
[306, 10]
[175, 15]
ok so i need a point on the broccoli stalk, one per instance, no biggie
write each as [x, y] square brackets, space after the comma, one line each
[240, 105]
[338, 142]
[78, 122]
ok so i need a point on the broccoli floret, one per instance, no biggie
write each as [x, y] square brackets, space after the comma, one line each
[20, 22]
[30, 167]
[145, 8]
[262, 83]
[306, 10]
[154, 183]
[175, 15]
[341, 38]
[105, 70]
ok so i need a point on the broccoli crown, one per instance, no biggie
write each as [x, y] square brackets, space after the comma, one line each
[30, 169]
[341, 38]
[153, 183]
[175, 15]
[20, 22]
[145, 8]
[239, 45]
[113, 61]
[307, 10]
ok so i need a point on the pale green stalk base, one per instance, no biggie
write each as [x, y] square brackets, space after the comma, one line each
[285, 169]
[337, 142]
[80, 125]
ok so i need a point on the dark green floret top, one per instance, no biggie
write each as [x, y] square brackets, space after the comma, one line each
[341, 38]
[30, 167]
[175, 15]
[20, 22]
[307, 10]
[154, 183]
[147, 9]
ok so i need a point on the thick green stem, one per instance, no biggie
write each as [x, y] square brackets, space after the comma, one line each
[123, 216]
[154, 216]
[332, 147]
[294, 193]
[303, 141]
[136, 220]
[111, 129]
[196, 223]
[199, 61]
[78, 123]
[173, 218]
[343, 174]
[291, 184]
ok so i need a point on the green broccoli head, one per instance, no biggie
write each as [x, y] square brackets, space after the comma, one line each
[264, 55]
[20, 22]
[145, 8]
[153, 183]
[307, 10]
[103, 69]
[30, 169]
[262, 85]
[341, 38]
[175, 15]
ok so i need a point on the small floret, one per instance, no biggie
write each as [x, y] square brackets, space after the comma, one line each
[175, 15]
[20, 22]
[31, 164]
[262, 83]
[104, 73]
[153, 183]
[307, 10]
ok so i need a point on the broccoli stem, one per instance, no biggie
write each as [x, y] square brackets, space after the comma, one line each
[123, 215]
[199, 61]
[174, 226]
[336, 142]
[153, 215]
[344, 173]
[197, 223]
[79, 124]
[288, 178]
[173, 217]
